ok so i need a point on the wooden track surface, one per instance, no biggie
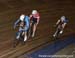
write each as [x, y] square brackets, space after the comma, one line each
[50, 12]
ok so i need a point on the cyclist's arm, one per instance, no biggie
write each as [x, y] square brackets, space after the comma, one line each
[16, 23]
[38, 19]
[57, 22]
[30, 17]
[63, 25]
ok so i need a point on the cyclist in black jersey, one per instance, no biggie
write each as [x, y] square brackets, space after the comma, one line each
[60, 25]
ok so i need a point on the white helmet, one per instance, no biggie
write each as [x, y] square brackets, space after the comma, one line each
[22, 17]
[34, 12]
[62, 18]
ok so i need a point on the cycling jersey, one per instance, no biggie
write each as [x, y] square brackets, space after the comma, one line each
[34, 18]
[26, 21]
[62, 22]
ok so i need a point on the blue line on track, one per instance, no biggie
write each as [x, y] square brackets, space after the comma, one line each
[53, 48]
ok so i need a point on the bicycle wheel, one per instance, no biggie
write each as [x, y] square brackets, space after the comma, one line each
[15, 40]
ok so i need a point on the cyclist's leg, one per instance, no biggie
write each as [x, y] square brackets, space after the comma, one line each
[60, 31]
[18, 33]
[54, 35]
[25, 32]
[33, 26]
[25, 36]
[34, 29]
[16, 40]
[56, 32]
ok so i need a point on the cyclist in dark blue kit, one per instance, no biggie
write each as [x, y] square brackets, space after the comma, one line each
[60, 25]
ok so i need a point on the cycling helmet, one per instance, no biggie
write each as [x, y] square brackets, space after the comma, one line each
[22, 17]
[62, 18]
[34, 12]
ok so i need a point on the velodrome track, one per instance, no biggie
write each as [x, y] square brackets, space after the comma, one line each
[58, 49]
[50, 12]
